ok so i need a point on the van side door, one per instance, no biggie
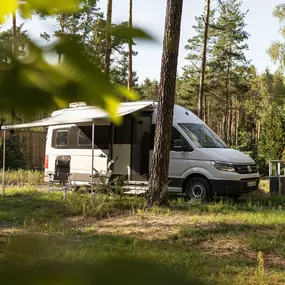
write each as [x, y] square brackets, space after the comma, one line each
[179, 158]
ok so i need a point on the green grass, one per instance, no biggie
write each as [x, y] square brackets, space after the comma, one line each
[221, 242]
[20, 177]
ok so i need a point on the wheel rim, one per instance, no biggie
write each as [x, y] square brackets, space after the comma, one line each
[198, 191]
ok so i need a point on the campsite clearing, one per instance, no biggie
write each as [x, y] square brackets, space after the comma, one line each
[220, 242]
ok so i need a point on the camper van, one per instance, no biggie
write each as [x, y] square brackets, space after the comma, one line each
[201, 165]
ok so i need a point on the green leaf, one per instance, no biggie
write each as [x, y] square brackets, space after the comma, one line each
[121, 31]
[7, 7]
[32, 83]
[45, 6]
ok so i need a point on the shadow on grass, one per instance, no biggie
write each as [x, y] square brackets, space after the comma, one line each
[264, 238]
[83, 249]
[16, 208]
[115, 259]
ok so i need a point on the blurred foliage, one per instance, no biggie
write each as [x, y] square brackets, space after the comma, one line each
[22, 266]
[27, 7]
[31, 83]
[88, 27]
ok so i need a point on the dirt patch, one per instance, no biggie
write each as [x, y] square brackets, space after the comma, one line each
[145, 226]
[148, 226]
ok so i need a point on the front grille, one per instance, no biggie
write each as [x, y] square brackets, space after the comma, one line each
[246, 168]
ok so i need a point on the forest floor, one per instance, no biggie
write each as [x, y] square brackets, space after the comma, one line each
[222, 242]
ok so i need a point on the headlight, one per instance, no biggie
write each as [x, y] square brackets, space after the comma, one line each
[224, 166]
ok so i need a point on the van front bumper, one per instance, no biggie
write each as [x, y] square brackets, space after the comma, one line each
[233, 187]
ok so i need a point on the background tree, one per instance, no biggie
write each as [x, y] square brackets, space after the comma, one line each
[87, 27]
[204, 60]
[188, 87]
[277, 49]
[157, 194]
[108, 38]
[13, 44]
[130, 44]
[149, 89]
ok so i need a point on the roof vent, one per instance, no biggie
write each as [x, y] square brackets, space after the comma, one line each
[77, 104]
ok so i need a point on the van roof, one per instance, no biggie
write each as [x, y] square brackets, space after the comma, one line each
[86, 114]
[181, 114]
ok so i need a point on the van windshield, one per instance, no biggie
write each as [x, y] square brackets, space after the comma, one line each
[202, 136]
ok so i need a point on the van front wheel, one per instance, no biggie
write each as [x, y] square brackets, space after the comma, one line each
[198, 188]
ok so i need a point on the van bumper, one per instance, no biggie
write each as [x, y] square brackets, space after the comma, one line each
[233, 187]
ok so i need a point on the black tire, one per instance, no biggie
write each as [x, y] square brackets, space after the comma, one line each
[198, 188]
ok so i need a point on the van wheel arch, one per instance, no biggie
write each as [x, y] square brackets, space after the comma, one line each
[196, 175]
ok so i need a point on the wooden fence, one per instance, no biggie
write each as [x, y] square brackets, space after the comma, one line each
[35, 147]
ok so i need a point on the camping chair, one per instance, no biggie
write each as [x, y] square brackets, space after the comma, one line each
[108, 176]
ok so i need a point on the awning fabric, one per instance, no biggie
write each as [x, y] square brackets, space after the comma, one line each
[81, 115]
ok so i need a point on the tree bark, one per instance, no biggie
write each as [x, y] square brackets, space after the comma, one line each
[204, 61]
[108, 38]
[14, 55]
[130, 67]
[62, 26]
[157, 194]
[231, 121]
[205, 108]
[237, 126]
[228, 99]
[225, 121]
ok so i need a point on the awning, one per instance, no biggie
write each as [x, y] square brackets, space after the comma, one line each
[81, 115]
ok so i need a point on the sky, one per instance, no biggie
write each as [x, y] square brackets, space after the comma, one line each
[150, 16]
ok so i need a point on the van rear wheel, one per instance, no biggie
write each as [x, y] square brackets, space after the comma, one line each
[198, 188]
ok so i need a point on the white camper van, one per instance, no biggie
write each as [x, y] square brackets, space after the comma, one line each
[201, 165]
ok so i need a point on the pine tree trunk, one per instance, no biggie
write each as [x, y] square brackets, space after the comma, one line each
[157, 194]
[228, 99]
[237, 126]
[108, 38]
[231, 121]
[226, 121]
[14, 55]
[62, 26]
[206, 109]
[208, 113]
[130, 79]
[204, 61]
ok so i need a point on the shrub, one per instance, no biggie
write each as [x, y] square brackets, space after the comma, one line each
[15, 152]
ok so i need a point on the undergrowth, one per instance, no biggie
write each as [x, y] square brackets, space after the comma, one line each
[20, 177]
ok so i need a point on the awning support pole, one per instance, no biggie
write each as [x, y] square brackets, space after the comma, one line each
[4, 162]
[92, 171]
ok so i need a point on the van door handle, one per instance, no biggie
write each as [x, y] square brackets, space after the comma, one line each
[102, 155]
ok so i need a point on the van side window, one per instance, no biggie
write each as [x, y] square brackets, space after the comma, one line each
[176, 135]
[84, 136]
[101, 137]
[61, 138]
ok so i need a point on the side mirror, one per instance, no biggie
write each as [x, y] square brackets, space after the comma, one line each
[179, 145]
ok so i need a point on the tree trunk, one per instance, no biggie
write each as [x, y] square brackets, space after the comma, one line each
[14, 55]
[205, 109]
[130, 79]
[157, 194]
[208, 114]
[204, 61]
[228, 99]
[226, 121]
[108, 38]
[231, 121]
[62, 26]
